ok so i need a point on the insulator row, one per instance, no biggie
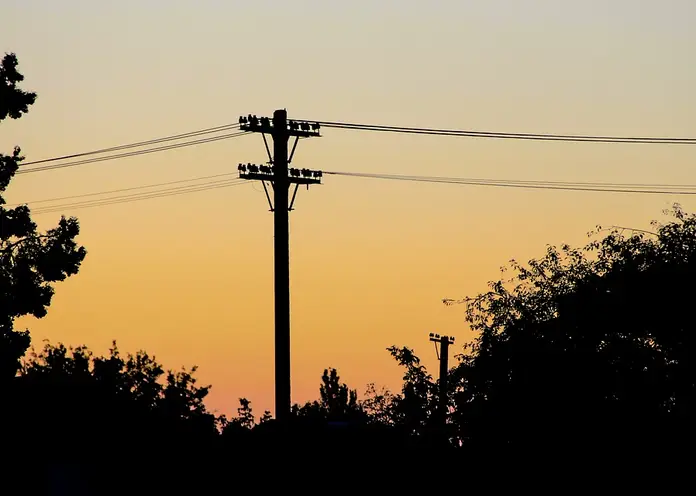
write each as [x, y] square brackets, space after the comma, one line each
[252, 121]
[269, 169]
[304, 126]
[434, 337]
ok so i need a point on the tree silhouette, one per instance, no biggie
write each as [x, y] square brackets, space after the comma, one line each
[337, 403]
[121, 421]
[415, 408]
[63, 391]
[13, 100]
[237, 432]
[591, 345]
[245, 415]
[378, 405]
[29, 261]
[266, 417]
[336, 399]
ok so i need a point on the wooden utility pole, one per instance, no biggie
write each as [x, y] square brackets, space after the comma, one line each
[281, 257]
[280, 177]
[443, 356]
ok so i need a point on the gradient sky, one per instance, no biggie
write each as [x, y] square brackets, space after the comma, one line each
[189, 278]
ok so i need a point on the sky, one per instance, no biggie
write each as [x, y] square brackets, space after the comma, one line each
[189, 278]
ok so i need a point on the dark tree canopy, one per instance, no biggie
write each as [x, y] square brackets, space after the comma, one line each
[122, 420]
[337, 403]
[13, 100]
[586, 345]
[109, 393]
[30, 261]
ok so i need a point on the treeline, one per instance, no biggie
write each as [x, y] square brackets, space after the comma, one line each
[62, 391]
[124, 422]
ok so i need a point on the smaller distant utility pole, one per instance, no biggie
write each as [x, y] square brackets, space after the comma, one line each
[443, 356]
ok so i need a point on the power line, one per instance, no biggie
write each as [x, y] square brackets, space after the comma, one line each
[559, 185]
[639, 189]
[578, 184]
[190, 134]
[339, 125]
[120, 190]
[118, 200]
[330, 124]
[505, 135]
[133, 153]
[141, 196]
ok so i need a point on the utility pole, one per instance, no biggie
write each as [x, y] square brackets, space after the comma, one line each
[280, 177]
[443, 356]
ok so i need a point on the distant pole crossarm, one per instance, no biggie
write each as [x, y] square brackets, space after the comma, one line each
[277, 173]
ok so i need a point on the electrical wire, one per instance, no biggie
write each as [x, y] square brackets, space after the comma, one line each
[653, 188]
[133, 153]
[120, 190]
[675, 189]
[548, 185]
[141, 196]
[190, 134]
[505, 135]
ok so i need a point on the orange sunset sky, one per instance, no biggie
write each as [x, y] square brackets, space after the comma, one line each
[189, 278]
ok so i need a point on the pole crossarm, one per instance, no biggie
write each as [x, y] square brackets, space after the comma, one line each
[300, 129]
[441, 339]
[267, 173]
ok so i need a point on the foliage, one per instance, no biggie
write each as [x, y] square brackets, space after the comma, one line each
[13, 100]
[130, 395]
[337, 402]
[30, 262]
[415, 408]
[591, 343]
[378, 405]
